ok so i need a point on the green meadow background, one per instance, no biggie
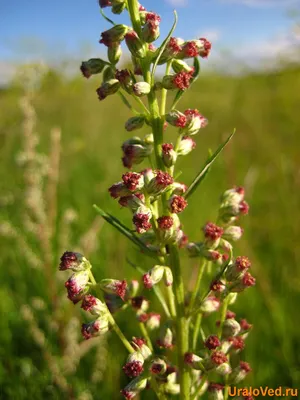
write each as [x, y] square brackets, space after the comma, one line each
[39, 356]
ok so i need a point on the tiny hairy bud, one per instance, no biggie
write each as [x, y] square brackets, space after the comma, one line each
[133, 201]
[108, 74]
[134, 123]
[95, 328]
[118, 6]
[233, 233]
[243, 282]
[93, 305]
[113, 286]
[195, 121]
[141, 219]
[114, 34]
[92, 66]
[215, 391]
[168, 276]
[186, 145]
[165, 339]
[134, 387]
[150, 30]
[176, 118]
[153, 276]
[140, 345]
[140, 303]
[134, 364]
[210, 304]
[133, 181]
[135, 45]
[158, 366]
[108, 88]
[193, 361]
[239, 373]
[114, 53]
[230, 328]
[153, 321]
[119, 190]
[180, 81]
[104, 3]
[141, 89]
[159, 182]
[180, 65]
[125, 79]
[73, 261]
[238, 268]
[212, 342]
[77, 285]
[177, 204]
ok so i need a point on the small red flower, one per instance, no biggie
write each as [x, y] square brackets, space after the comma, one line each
[182, 80]
[230, 315]
[212, 342]
[244, 207]
[212, 231]
[132, 180]
[217, 286]
[248, 280]
[165, 222]
[177, 204]
[133, 369]
[245, 366]
[147, 281]
[238, 343]
[218, 358]
[245, 326]
[141, 222]
[190, 49]
[242, 263]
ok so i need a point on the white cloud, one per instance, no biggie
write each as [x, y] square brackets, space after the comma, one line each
[263, 3]
[177, 3]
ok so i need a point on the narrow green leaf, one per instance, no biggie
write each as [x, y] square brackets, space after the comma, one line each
[201, 175]
[196, 74]
[163, 46]
[126, 102]
[124, 230]
[105, 17]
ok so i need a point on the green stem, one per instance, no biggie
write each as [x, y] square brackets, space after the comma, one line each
[146, 335]
[196, 330]
[197, 285]
[113, 323]
[133, 10]
[198, 390]
[165, 91]
[171, 300]
[139, 101]
[182, 329]
[223, 315]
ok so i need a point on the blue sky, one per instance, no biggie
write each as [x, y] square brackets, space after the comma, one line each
[56, 29]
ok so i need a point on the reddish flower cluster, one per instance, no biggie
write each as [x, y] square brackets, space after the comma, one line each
[177, 204]
[148, 283]
[217, 286]
[133, 368]
[68, 260]
[245, 366]
[163, 179]
[206, 48]
[141, 222]
[218, 358]
[212, 342]
[242, 263]
[88, 302]
[166, 148]
[212, 231]
[238, 343]
[182, 79]
[245, 326]
[165, 222]
[230, 315]
[214, 387]
[248, 280]
[131, 180]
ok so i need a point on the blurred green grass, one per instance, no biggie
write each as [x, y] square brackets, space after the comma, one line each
[263, 156]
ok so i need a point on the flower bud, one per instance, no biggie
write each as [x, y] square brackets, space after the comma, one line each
[104, 3]
[119, 190]
[134, 387]
[118, 6]
[176, 118]
[167, 231]
[212, 342]
[125, 79]
[77, 285]
[153, 276]
[180, 65]
[243, 282]
[179, 81]
[113, 286]
[135, 45]
[215, 391]
[195, 121]
[114, 34]
[186, 145]
[141, 89]
[153, 321]
[235, 195]
[73, 261]
[168, 277]
[177, 204]
[178, 188]
[238, 268]
[203, 46]
[217, 287]
[172, 49]
[239, 373]
[93, 305]
[133, 201]
[108, 88]
[169, 156]
[114, 53]
[237, 344]
[230, 328]
[141, 219]
[140, 345]
[210, 304]
[95, 328]
[134, 123]
[108, 74]
[216, 359]
[165, 339]
[193, 361]
[133, 181]
[159, 182]
[92, 66]
[150, 31]
[158, 366]
[233, 233]
[212, 234]
[134, 365]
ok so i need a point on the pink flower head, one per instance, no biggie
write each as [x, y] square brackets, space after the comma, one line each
[190, 49]
[245, 366]
[77, 286]
[212, 342]
[230, 315]
[242, 263]
[147, 280]
[128, 394]
[133, 368]
[166, 148]
[215, 387]
[133, 181]
[218, 358]
[183, 242]
[205, 48]
[244, 207]
[212, 231]
[72, 260]
[118, 190]
[165, 222]
[248, 280]
[245, 326]
[163, 179]
[182, 80]
[217, 286]
[93, 305]
[139, 342]
[142, 222]
[94, 328]
[238, 343]
[177, 204]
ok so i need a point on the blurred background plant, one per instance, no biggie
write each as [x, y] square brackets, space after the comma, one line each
[50, 179]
